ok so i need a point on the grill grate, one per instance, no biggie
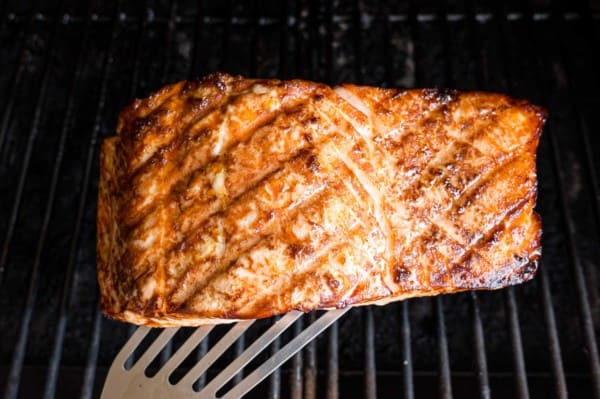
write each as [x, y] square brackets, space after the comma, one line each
[68, 68]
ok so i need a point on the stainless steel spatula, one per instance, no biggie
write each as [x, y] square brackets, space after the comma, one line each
[132, 383]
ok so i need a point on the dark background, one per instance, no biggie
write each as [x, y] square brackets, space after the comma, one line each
[67, 69]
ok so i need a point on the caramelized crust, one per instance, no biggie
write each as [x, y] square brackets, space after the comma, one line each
[230, 198]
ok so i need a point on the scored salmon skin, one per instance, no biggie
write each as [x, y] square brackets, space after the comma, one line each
[229, 198]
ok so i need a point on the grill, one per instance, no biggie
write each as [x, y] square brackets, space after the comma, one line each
[66, 70]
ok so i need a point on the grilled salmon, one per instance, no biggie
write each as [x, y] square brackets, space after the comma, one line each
[229, 198]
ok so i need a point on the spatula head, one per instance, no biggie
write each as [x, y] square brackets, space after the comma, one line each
[133, 383]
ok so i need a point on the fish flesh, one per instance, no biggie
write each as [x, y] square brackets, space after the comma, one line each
[228, 198]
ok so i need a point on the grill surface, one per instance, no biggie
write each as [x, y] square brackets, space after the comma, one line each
[67, 69]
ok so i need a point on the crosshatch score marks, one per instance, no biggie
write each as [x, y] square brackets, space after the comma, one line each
[231, 198]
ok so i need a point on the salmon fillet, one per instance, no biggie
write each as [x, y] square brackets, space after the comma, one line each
[229, 198]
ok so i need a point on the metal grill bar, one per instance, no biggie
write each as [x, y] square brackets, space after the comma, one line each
[310, 366]
[275, 378]
[549, 318]
[332, 364]
[59, 334]
[6, 117]
[8, 109]
[444, 358]
[41, 96]
[89, 376]
[582, 292]
[407, 353]
[480, 359]
[370, 377]
[517, 344]
[568, 223]
[296, 372]
[557, 364]
[18, 357]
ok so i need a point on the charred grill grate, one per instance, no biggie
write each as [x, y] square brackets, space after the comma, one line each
[66, 70]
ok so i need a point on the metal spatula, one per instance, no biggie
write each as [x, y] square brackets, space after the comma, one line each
[133, 383]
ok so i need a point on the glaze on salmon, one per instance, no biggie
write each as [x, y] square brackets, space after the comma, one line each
[229, 198]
